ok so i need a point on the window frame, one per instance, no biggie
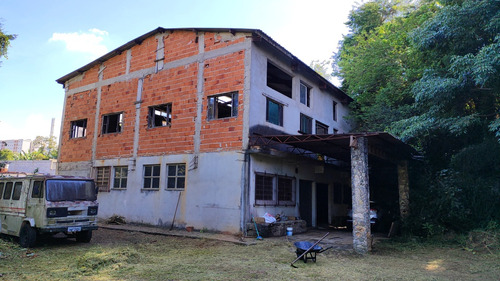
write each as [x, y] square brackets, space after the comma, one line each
[308, 129]
[103, 178]
[322, 126]
[151, 177]
[120, 178]
[176, 177]
[306, 99]
[152, 116]
[7, 195]
[17, 190]
[280, 112]
[78, 130]
[334, 109]
[105, 129]
[213, 108]
[38, 194]
[276, 190]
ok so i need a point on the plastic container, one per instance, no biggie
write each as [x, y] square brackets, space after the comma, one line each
[289, 231]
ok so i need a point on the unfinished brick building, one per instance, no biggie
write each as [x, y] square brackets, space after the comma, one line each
[183, 117]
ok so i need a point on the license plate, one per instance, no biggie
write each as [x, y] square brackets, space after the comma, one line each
[74, 229]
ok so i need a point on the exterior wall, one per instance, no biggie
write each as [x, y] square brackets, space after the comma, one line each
[320, 109]
[47, 167]
[182, 68]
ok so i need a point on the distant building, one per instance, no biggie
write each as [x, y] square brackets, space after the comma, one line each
[48, 167]
[16, 146]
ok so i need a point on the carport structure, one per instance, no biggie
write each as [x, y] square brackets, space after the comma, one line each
[356, 149]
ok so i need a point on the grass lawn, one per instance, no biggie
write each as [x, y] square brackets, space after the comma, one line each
[120, 255]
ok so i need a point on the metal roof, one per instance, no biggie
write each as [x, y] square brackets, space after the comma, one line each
[380, 144]
[258, 36]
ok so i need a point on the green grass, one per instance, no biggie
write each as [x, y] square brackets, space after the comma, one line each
[117, 255]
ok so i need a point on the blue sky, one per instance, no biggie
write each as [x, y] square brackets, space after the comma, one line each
[56, 37]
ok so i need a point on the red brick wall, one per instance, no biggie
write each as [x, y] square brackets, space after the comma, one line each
[179, 45]
[78, 106]
[118, 97]
[217, 40]
[176, 86]
[222, 75]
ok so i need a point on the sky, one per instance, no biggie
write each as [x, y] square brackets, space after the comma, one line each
[56, 37]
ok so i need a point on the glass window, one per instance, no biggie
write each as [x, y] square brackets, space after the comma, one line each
[78, 128]
[334, 110]
[151, 177]
[1, 189]
[120, 177]
[8, 190]
[18, 186]
[274, 190]
[223, 106]
[176, 176]
[37, 191]
[274, 112]
[102, 178]
[321, 129]
[305, 124]
[112, 123]
[305, 93]
[160, 115]
[285, 190]
[264, 188]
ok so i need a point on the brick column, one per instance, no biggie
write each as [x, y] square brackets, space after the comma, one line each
[361, 233]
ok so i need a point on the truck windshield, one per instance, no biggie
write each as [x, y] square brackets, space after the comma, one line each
[70, 190]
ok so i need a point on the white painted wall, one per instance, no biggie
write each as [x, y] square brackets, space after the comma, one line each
[48, 167]
[210, 200]
[321, 106]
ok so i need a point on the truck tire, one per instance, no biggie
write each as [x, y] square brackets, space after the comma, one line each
[27, 236]
[84, 236]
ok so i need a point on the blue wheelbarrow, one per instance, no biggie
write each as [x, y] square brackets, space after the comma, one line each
[307, 250]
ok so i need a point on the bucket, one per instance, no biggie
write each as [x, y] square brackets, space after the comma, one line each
[289, 231]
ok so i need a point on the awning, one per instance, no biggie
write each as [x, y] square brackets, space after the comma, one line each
[381, 145]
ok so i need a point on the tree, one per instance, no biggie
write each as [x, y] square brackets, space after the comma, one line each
[46, 146]
[321, 67]
[6, 154]
[5, 42]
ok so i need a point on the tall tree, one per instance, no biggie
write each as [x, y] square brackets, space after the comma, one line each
[5, 42]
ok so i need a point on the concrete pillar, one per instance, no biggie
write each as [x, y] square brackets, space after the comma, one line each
[404, 189]
[361, 233]
[314, 207]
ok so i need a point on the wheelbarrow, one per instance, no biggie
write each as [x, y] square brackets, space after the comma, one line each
[307, 250]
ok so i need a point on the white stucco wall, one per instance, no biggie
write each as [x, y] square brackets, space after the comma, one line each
[48, 167]
[321, 105]
[210, 200]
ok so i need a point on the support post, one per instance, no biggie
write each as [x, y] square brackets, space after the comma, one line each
[361, 233]
[404, 189]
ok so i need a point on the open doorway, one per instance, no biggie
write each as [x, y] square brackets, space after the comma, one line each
[305, 201]
[322, 205]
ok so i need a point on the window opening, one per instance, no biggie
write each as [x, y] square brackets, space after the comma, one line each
[151, 177]
[305, 94]
[120, 177]
[78, 128]
[102, 178]
[321, 129]
[223, 106]
[18, 186]
[274, 190]
[285, 191]
[264, 189]
[37, 191]
[176, 176]
[305, 124]
[274, 112]
[112, 123]
[279, 80]
[1, 189]
[334, 111]
[8, 190]
[160, 115]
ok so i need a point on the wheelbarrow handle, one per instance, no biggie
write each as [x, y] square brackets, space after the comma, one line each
[310, 248]
[321, 251]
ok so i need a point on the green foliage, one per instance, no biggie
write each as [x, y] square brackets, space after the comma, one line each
[5, 41]
[6, 154]
[430, 74]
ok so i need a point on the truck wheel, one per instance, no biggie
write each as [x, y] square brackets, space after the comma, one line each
[84, 236]
[27, 236]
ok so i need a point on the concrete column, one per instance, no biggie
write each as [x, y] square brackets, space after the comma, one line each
[314, 207]
[361, 233]
[404, 189]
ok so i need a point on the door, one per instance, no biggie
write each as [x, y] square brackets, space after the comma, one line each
[305, 201]
[322, 205]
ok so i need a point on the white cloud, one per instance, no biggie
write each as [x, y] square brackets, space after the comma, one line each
[90, 42]
[31, 126]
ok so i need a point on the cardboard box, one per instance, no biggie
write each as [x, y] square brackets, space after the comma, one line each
[259, 220]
